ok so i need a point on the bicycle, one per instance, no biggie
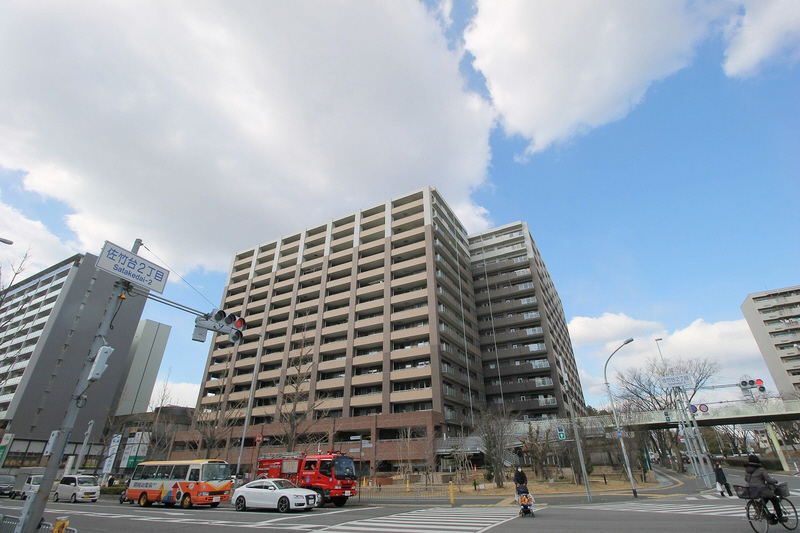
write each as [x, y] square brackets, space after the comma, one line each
[759, 516]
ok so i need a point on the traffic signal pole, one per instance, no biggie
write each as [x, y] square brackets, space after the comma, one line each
[33, 511]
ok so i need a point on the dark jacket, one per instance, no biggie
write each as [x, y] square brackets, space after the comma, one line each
[520, 478]
[756, 476]
[720, 475]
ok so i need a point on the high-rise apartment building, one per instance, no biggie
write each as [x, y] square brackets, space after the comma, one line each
[47, 326]
[525, 344]
[774, 320]
[376, 313]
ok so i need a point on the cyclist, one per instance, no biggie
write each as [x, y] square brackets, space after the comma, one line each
[756, 476]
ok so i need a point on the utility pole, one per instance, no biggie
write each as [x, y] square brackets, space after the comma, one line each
[33, 510]
[82, 453]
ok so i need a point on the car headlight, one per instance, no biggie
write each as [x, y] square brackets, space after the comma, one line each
[299, 497]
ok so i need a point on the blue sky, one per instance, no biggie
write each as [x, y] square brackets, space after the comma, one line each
[651, 146]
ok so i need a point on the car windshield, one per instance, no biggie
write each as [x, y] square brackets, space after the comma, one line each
[36, 480]
[344, 468]
[87, 481]
[216, 472]
[284, 484]
[6, 480]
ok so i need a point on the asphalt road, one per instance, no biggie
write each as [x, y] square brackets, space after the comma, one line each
[677, 507]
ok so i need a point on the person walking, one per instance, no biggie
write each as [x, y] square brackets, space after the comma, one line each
[722, 481]
[520, 480]
[756, 476]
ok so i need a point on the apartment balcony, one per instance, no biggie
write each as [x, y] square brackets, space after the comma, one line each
[366, 399]
[310, 306]
[372, 218]
[219, 367]
[378, 272]
[409, 280]
[411, 373]
[328, 384]
[242, 396]
[245, 261]
[410, 314]
[372, 234]
[372, 306]
[374, 339]
[410, 353]
[369, 322]
[363, 360]
[368, 379]
[375, 289]
[264, 410]
[211, 400]
[245, 363]
[516, 388]
[333, 364]
[266, 392]
[331, 403]
[409, 207]
[410, 333]
[214, 384]
[411, 395]
[241, 379]
[411, 296]
[338, 329]
[269, 374]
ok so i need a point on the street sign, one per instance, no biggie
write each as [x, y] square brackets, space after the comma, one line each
[353, 450]
[118, 261]
[693, 409]
[365, 444]
[259, 438]
[619, 434]
[682, 380]
[703, 408]
[355, 437]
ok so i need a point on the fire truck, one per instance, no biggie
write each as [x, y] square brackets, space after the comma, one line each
[331, 475]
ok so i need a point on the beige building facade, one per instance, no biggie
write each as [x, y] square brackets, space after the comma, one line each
[369, 324]
[774, 319]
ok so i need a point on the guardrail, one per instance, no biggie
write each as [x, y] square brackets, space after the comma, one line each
[9, 523]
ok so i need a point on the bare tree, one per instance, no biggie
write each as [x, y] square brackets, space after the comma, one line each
[536, 445]
[213, 427]
[495, 427]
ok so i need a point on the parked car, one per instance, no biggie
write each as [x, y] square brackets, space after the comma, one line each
[7, 484]
[280, 494]
[77, 488]
[31, 482]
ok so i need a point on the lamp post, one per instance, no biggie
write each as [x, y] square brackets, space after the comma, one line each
[616, 422]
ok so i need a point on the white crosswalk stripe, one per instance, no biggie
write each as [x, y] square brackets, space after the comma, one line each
[730, 509]
[434, 520]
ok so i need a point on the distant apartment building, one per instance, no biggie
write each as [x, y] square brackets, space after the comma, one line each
[381, 307]
[774, 320]
[47, 325]
[147, 350]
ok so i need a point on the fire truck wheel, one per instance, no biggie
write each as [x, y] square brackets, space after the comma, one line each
[241, 504]
[283, 505]
[320, 497]
[186, 501]
[340, 501]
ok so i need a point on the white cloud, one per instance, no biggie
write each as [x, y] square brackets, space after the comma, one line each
[762, 30]
[556, 69]
[176, 393]
[608, 328]
[31, 236]
[208, 128]
[729, 342]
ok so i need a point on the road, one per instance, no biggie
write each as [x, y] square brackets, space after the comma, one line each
[657, 512]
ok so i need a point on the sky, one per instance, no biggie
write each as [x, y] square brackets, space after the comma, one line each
[652, 147]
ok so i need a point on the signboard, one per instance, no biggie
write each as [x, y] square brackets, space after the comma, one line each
[366, 444]
[619, 434]
[118, 261]
[353, 450]
[259, 438]
[693, 408]
[682, 380]
[5, 444]
[112, 453]
[703, 408]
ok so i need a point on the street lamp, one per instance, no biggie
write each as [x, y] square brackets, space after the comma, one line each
[616, 422]
[659, 350]
[6, 241]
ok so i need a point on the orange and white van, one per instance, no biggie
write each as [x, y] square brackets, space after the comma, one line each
[188, 483]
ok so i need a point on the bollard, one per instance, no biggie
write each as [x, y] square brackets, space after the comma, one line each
[605, 482]
[452, 496]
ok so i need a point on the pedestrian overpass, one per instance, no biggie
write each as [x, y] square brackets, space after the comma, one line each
[770, 410]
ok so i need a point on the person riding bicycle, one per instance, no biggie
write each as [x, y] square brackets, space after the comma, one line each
[756, 476]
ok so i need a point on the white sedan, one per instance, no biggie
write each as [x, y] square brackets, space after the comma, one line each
[280, 494]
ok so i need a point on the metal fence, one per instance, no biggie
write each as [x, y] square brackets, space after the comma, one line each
[415, 492]
[9, 523]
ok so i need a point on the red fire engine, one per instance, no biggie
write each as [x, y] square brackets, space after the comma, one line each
[332, 475]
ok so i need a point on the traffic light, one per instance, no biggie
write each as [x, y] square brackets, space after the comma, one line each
[561, 433]
[747, 384]
[221, 322]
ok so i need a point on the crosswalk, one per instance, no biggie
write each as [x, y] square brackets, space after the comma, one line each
[716, 496]
[433, 520]
[733, 508]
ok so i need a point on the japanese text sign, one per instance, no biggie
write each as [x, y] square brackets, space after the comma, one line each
[117, 260]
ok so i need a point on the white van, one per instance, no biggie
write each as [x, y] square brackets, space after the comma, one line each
[77, 488]
[31, 482]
